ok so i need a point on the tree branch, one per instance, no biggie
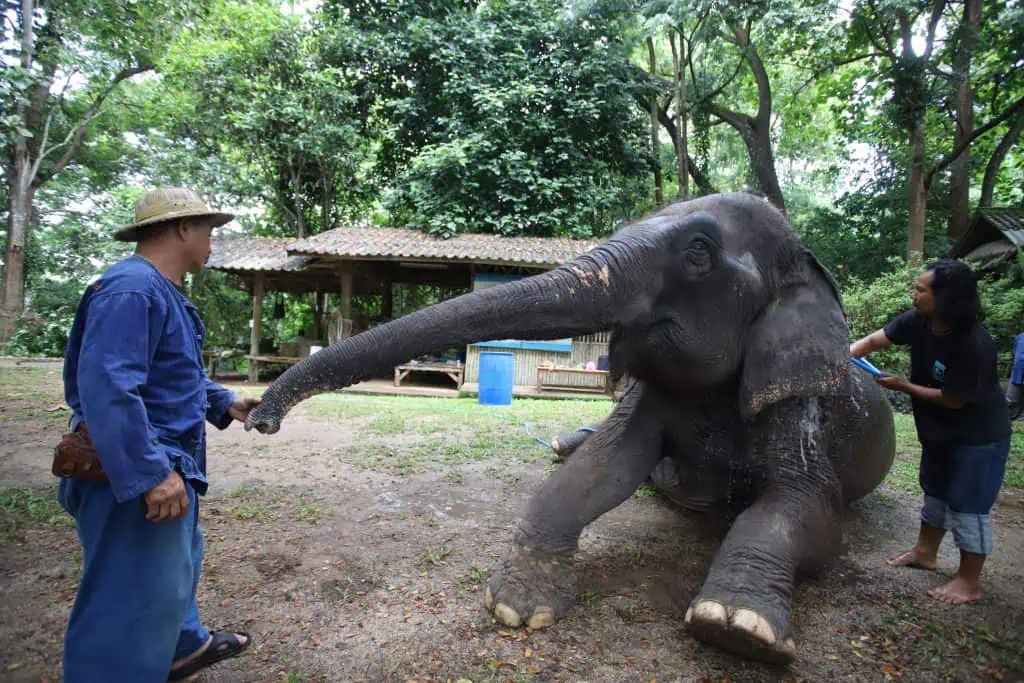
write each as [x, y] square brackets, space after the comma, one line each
[978, 132]
[699, 178]
[933, 23]
[829, 67]
[764, 87]
[74, 137]
[885, 49]
[988, 184]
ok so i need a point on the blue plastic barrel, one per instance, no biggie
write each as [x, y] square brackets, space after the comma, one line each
[496, 378]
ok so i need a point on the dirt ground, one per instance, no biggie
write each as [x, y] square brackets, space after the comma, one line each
[355, 543]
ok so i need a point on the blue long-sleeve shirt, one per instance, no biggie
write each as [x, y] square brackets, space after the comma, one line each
[134, 373]
[1017, 369]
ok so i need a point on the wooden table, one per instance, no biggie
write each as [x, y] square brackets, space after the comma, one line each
[453, 371]
[544, 382]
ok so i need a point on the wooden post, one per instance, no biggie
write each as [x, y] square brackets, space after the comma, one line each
[257, 319]
[346, 292]
[387, 306]
[318, 315]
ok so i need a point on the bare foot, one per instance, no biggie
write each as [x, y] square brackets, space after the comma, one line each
[915, 557]
[957, 592]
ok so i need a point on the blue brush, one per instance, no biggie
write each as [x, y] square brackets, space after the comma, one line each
[866, 365]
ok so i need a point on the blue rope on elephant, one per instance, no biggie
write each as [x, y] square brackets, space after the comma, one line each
[544, 443]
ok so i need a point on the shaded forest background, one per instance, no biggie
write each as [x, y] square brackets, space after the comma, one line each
[878, 126]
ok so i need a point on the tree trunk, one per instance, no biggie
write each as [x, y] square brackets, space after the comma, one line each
[679, 61]
[762, 162]
[918, 195]
[995, 162]
[699, 179]
[960, 170]
[19, 217]
[659, 196]
[756, 130]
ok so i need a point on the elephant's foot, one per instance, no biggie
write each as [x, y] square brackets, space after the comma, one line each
[531, 588]
[741, 631]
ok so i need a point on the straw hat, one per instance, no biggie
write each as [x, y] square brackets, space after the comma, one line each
[164, 204]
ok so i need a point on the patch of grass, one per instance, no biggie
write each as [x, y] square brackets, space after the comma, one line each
[308, 512]
[455, 477]
[387, 423]
[380, 457]
[502, 474]
[589, 598]
[23, 508]
[433, 557]
[943, 642]
[248, 502]
[478, 574]
[646, 491]
[903, 474]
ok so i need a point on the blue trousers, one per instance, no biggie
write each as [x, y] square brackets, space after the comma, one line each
[960, 485]
[135, 611]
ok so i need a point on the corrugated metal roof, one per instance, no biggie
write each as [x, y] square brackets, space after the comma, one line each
[366, 241]
[991, 225]
[263, 254]
[1010, 222]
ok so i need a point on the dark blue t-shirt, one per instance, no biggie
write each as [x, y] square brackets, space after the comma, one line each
[964, 366]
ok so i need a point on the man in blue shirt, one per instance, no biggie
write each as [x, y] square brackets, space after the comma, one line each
[1015, 388]
[135, 381]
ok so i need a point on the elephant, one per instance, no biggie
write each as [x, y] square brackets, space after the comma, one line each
[741, 401]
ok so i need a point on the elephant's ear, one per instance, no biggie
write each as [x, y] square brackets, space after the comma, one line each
[799, 345]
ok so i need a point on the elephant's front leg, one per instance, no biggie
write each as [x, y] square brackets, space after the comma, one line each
[793, 527]
[536, 584]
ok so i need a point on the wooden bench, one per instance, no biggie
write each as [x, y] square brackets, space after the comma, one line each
[212, 356]
[254, 363]
[544, 380]
[453, 371]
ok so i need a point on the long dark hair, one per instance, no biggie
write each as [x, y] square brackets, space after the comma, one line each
[955, 290]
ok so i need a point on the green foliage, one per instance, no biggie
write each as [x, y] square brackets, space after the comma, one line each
[858, 235]
[523, 122]
[300, 134]
[64, 254]
[870, 305]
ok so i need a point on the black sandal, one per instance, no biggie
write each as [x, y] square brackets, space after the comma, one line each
[224, 645]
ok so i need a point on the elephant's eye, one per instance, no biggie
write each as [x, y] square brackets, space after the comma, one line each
[698, 255]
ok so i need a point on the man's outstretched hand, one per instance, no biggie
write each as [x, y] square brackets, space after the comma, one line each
[240, 408]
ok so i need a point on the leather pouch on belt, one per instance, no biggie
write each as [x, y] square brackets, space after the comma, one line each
[75, 458]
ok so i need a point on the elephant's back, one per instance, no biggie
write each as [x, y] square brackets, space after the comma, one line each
[865, 437]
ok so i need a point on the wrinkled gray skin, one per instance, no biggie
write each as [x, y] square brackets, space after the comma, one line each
[742, 402]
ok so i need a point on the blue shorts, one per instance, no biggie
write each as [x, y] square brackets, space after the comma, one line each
[966, 478]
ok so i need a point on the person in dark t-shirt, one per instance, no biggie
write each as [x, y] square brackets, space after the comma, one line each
[961, 417]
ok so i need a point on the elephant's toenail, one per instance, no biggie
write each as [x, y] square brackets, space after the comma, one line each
[507, 615]
[710, 611]
[542, 618]
[789, 646]
[689, 615]
[488, 598]
[754, 624]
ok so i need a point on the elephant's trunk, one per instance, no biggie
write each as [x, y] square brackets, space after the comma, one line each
[589, 294]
